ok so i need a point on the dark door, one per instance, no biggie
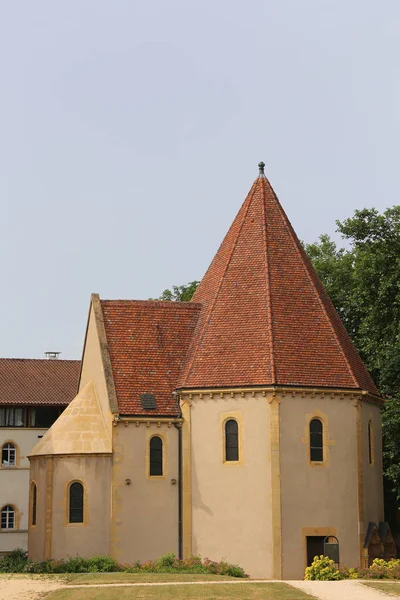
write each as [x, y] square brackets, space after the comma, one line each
[315, 547]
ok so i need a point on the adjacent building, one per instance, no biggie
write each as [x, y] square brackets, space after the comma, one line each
[242, 424]
[33, 394]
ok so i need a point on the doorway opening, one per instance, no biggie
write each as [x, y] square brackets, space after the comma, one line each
[315, 547]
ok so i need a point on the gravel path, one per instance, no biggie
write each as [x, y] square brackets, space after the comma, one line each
[25, 589]
[339, 590]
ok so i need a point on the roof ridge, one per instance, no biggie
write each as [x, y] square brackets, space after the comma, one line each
[267, 281]
[158, 303]
[211, 306]
[306, 263]
[45, 360]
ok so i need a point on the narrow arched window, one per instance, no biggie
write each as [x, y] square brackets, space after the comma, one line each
[7, 517]
[34, 503]
[370, 444]
[76, 502]
[156, 456]
[316, 441]
[231, 440]
[8, 455]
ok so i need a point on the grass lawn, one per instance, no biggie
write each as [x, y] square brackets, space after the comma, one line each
[239, 591]
[390, 587]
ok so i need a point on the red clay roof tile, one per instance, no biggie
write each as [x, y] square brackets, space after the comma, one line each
[37, 382]
[147, 343]
[266, 318]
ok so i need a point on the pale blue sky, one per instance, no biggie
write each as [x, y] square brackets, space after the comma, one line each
[131, 132]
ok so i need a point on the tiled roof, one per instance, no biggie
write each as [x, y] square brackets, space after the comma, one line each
[266, 318]
[147, 343]
[38, 381]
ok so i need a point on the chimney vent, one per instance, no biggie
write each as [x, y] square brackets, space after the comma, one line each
[52, 355]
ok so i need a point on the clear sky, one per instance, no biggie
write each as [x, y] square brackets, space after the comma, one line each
[130, 133]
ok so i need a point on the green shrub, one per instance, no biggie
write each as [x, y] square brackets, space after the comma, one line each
[14, 562]
[235, 571]
[103, 564]
[323, 569]
[17, 562]
[44, 566]
[79, 564]
[167, 560]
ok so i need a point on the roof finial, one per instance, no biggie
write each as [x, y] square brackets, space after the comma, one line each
[261, 166]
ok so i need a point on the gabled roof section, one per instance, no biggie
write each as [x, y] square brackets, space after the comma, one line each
[35, 382]
[266, 318]
[147, 343]
[80, 429]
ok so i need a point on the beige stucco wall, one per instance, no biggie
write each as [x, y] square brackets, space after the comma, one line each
[145, 513]
[372, 474]
[231, 503]
[14, 484]
[318, 497]
[87, 539]
[92, 366]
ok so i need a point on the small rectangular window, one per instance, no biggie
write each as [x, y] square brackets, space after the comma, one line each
[43, 416]
[148, 401]
[11, 417]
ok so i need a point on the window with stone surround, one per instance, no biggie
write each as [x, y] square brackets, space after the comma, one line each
[316, 441]
[9, 455]
[8, 517]
[156, 456]
[76, 501]
[231, 440]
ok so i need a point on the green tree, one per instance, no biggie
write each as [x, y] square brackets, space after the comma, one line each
[180, 293]
[363, 282]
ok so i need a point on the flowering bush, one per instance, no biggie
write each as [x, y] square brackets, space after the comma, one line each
[192, 564]
[348, 573]
[381, 569]
[323, 569]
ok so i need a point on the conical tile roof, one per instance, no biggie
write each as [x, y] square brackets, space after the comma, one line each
[266, 318]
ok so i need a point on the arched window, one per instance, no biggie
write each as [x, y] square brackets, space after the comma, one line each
[8, 455]
[231, 440]
[316, 441]
[370, 444]
[76, 502]
[34, 502]
[7, 517]
[156, 456]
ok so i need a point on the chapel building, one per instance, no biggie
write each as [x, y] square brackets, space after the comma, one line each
[241, 425]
